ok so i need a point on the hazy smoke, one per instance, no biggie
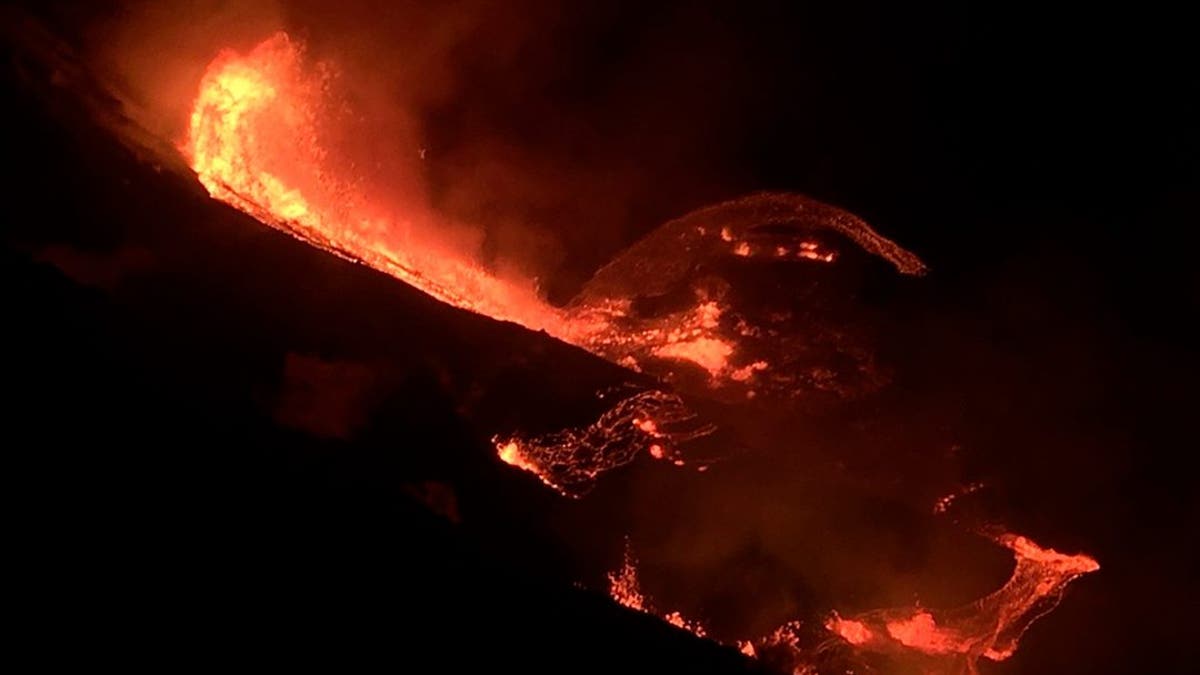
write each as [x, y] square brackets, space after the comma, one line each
[153, 54]
[553, 133]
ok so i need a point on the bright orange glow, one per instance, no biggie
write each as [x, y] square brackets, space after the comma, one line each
[918, 631]
[625, 589]
[510, 453]
[987, 628]
[647, 425]
[623, 585]
[570, 460]
[709, 353]
[990, 627]
[255, 140]
[854, 632]
[745, 373]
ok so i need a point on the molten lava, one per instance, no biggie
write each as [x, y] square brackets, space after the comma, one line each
[625, 589]
[255, 140]
[989, 627]
[571, 460]
[948, 641]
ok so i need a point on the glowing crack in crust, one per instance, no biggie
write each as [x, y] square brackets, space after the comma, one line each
[989, 627]
[570, 460]
[625, 589]
[675, 304]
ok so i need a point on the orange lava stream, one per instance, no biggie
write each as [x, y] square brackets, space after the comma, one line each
[254, 142]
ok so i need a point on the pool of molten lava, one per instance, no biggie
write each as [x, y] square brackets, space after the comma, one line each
[256, 140]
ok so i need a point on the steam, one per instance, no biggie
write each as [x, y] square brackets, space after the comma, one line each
[533, 154]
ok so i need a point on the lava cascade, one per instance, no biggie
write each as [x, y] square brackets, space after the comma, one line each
[255, 142]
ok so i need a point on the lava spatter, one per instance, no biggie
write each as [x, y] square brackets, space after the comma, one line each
[625, 589]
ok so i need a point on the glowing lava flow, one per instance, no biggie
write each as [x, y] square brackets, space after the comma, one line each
[948, 641]
[625, 589]
[255, 142]
[989, 627]
[570, 460]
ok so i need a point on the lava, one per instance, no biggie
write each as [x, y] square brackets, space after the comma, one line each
[625, 589]
[255, 140]
[681, 304]
[989, 627]
[569, 461]
[950, 641]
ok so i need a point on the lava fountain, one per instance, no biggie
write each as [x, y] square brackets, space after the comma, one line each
[255, 140]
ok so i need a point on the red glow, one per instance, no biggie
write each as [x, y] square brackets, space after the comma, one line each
[988, 628]
[255, 142]
[625, 589]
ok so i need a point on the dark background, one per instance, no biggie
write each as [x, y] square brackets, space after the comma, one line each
[1041, 159]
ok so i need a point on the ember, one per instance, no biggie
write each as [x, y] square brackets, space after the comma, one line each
[625, 589]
